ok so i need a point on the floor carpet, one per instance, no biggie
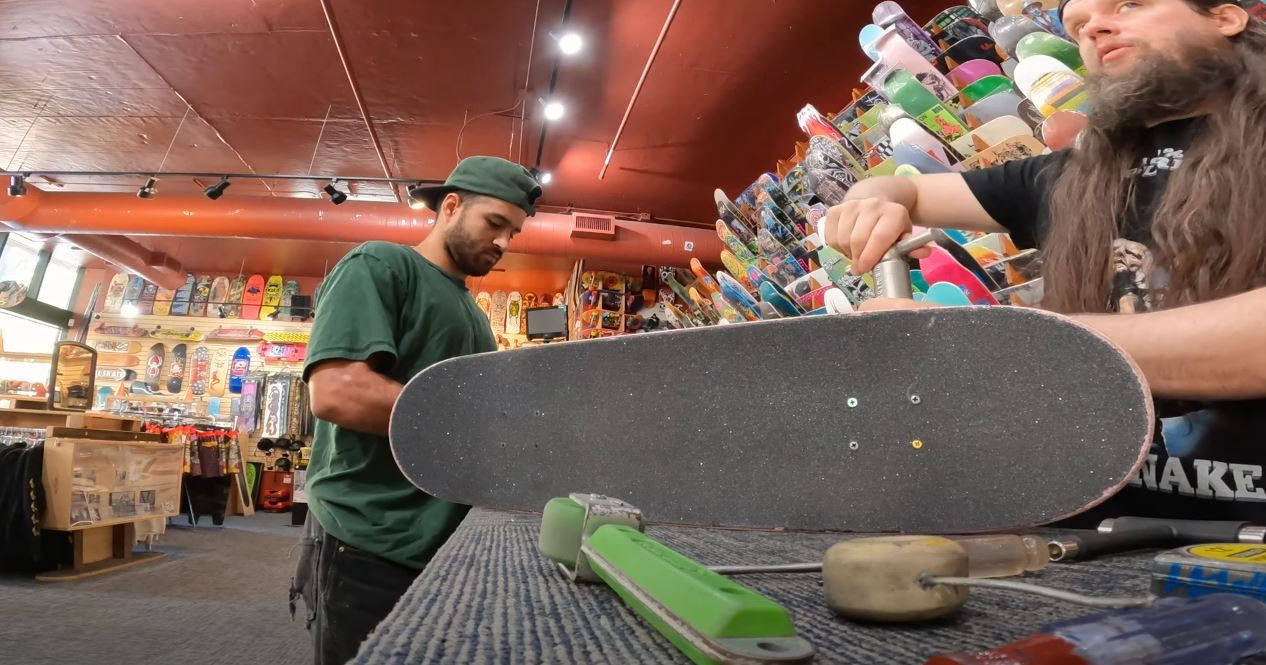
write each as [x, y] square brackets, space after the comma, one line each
[219, 596]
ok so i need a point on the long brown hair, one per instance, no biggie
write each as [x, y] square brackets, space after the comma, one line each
[1209, 228]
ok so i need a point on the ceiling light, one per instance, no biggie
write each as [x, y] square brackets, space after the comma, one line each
[545, 178]
[336, 197]
[416, 201]
[149, 189]
[217, 190]
[17, 186]
[554, 110]
[570, 43]
[129, 310]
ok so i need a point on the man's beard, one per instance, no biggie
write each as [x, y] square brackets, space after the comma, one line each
[466, 252]
[1161, 86]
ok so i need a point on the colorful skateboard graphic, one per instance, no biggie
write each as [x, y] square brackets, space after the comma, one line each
[117, 346]
[180, 301]
[114, 293]
[514, 313]
[289, 290]
[199, 370]
[499, 305]
[176, 368]
[233, 308]
[116, 373]
[484, 302]
[252, 296]
[235, 334]
[187, 335]
[238, 367]
[154, 366]
[219, 372]
[149, 292]
[132, 294]
[272, 297]
[162, 301]
[219, 297]
[201, 295]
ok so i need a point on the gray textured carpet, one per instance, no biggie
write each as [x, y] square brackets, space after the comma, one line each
[218, 597]
[488, 597]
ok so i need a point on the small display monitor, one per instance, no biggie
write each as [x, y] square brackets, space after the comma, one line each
[547, 323]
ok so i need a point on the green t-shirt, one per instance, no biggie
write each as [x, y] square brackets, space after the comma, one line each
[384, 298]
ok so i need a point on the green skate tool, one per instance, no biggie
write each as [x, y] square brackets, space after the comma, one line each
[708, 617]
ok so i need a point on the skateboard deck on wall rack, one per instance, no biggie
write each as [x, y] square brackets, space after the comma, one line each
[114, 294]
[219, 297]
[233, 308]
[176, 371]
[252, 297]
[154, 366]
[132, 294]
[180, 301]
[272, 297]
[514, 313]
[881, 421]
[499, 306]
[201, 296]
[162, 301]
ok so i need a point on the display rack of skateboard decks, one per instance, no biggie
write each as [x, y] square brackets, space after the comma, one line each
[506, 312]
[963, 91]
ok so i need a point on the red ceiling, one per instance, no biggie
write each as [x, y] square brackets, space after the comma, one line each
[103, 85]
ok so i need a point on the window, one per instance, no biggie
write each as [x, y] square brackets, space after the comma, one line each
[60, 277]
[19, 259]
[23, 335]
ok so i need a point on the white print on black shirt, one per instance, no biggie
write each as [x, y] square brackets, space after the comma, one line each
[1166, 159]
[1213, 479]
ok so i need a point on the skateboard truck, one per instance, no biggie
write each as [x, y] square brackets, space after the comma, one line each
[708, 617]
[892, 273]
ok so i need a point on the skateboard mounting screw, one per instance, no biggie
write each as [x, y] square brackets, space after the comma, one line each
[917, 444]
[852, 445]
[915, 399]
[852, 402]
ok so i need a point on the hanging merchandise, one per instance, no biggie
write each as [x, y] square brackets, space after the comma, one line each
[240, 366]
[21, 499]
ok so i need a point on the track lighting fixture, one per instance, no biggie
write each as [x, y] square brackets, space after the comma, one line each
[336, 197]
[17, 186]
[149, 189]
[217, 190]
[416, 201]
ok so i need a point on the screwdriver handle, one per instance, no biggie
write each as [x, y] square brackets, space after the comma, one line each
[1090, 544]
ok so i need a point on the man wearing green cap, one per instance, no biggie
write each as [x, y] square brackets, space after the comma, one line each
[387, 312]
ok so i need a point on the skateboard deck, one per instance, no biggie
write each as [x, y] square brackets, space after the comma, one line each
[149, 293]
[201, 295]
[514, 313]
[118, 359]
[132, 294]
[114, 294]
[180, 301]
[252, 297]
[484, 301]
[176, 373]
[879, 422]
[499, 311]
[162, 301]
[219, 372]
[238, 367]
[272, 297]
[289, 290]
[115, 346]
[115, 374]
[154, 366]
[199, 370]
[219, 297]
[233, 308]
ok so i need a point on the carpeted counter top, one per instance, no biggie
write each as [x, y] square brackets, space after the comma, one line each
[489, 597]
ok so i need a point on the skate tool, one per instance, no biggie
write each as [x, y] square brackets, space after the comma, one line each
[1123, 534]
[709, 618]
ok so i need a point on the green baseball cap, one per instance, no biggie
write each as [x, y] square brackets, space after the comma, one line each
[490, 176]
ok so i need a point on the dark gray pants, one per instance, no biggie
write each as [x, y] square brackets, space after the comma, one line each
[346, 591]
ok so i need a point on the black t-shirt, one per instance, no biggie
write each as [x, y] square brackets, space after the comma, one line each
[1207, 458]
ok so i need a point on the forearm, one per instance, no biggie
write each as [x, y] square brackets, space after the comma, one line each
[356, 400]
[1212, 350]
[942, 200]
